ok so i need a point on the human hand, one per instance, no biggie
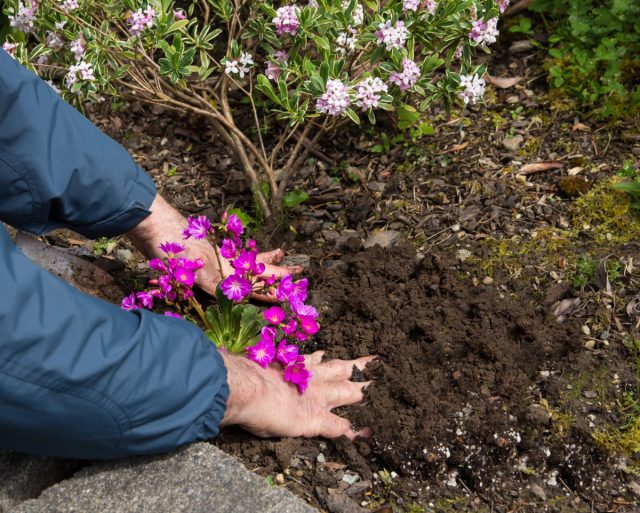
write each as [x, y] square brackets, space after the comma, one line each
[165, 224]
[265, 405]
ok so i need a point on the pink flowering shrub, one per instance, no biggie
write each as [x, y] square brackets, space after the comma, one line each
[317, 63]
[267, 337]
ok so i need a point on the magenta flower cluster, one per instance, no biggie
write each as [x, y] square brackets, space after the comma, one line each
[175, 281]
[292, 322]
[286, 20]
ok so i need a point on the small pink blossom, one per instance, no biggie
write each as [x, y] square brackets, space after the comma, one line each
[10, 48]
[432, 5]
[234, 225]
[69, 5]
[82, 70]
[246, 263]
[141, 20]
[290, 328]
[262, 353]
[268, 333]
[78, 47]
[272, 71]
[286, 20]
[410, 5]
[369, 91]
[503, 4]
[179, 14]
[24, 17]
[309, 325]
[173, 314]
[484, 32]
[184, 276]
[145, 298]
[473, 87]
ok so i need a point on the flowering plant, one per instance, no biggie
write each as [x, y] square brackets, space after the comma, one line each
[317, 65]
[233, 324]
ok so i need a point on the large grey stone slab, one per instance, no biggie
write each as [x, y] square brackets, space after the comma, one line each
[24, 477]
[195, 479]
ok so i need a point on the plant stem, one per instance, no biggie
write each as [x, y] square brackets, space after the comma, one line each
[196, 306]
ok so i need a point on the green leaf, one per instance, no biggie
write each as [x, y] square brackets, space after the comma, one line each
[294, 198]
[353, 116]
[322, 42]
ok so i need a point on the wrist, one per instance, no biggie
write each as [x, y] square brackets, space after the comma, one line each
[245, 384]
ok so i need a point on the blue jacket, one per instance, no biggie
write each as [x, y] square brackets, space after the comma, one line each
[80, 377]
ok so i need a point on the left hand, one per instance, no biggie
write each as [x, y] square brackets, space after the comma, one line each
[165, 224]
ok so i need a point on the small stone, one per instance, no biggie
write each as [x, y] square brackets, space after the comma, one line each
[488, 280]
[524, 45]
[538, 491]
[585, 329]
[544, 374]
[463, 254]
[590, 344]
[590, 394]
[553, 275]
[321, 458]
[383, 238]
[279, 479]
[303, 261]
[455, 228]
[538, 416]
[350, 477]
[513, 143]
[635, 488]
[124, 255]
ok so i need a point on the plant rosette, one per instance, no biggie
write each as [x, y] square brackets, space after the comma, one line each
[267, 336]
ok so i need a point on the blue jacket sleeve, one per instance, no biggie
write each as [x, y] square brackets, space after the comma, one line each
[59, 170]
[80, 377]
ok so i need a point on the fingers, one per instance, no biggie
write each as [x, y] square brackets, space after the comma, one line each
[332, 426]
[270, 257]
[345, 393]
[337, 370]
[281, 270]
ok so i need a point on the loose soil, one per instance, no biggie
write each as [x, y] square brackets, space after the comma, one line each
[474, 394]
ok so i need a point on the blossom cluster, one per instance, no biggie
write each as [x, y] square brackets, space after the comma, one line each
[407, 77]
[472, 88]
[292, 322]
[368, 92]
[335, 100]
[239, 66]
[286, 20]
[484, 32]
[141, 20]
[23, 19]
[392, 36]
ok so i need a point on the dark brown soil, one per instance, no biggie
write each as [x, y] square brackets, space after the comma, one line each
[474, 393]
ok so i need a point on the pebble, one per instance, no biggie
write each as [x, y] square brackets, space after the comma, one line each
[279, 479]
[553, 275]
[488, 280]
[124, 255]
[350, 477]
[382, 238]
[321, 458]
[513, 143]
[585, 329]
[463, 254]
[590, 344]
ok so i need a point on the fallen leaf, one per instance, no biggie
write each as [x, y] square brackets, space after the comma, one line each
[602, 276]
[459, 147]
[503, 82]
[538, 167]
[580, 127]
[565, 308]
[575, 170]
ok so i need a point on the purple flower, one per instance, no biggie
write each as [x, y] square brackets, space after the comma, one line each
[184, 276]
[178, 14]
[298, 374]
[301, 336]
[246, 263]
[410, 5]
[235, 287]
[146, 299]
[503, 5]
[290, 328]
[286, 354]
[171, 248]
[299, 290]
[197, 227]
[129, 302]
[234, 225]
[173, 314]
[270, 280]
[24, 17]
[164, 282]
[274, 315]
[157, 265]
[309, 325]
[335, 100]
[268, 333]
[272, 71]
[286, 20]
[228, 249]
[284, 288]
[191, 265]
[262, 353]
[302, 310]
[408, 77]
